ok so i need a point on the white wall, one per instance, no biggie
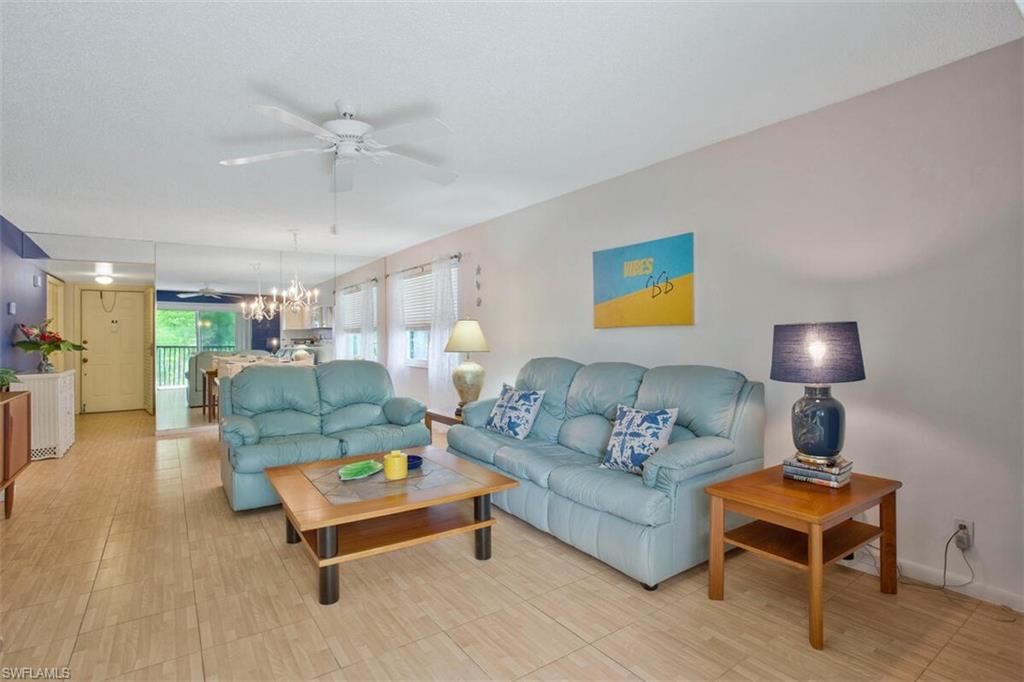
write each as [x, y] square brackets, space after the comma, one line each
[900, 209]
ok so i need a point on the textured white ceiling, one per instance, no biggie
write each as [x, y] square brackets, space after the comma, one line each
[114, 115]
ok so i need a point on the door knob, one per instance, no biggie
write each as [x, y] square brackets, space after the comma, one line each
[84, 360]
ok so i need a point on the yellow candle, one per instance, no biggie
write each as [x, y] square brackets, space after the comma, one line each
[396, 465]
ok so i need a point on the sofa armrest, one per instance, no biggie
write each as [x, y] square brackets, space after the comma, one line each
[475, 413]
[404, 411]
[685, 459]
[238, 430]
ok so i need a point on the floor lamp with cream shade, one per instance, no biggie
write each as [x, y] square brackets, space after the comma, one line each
[468, 377]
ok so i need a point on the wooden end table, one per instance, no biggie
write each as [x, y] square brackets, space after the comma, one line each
[802, 525]
[339, 521]
[443, 415]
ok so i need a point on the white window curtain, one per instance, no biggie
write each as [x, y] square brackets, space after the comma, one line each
[396, 327]
[243, 333]
[368, 321]
[340, 347]
[444, 313]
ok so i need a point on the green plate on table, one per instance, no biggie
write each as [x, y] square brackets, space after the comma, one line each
[356, 470]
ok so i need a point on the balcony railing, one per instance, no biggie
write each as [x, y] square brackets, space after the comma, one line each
[172, 364]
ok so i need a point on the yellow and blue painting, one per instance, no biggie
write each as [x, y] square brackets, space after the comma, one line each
[645, 284]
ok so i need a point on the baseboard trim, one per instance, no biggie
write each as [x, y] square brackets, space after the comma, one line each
[933, 576]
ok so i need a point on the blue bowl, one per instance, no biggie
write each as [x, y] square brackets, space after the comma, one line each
[415, 462]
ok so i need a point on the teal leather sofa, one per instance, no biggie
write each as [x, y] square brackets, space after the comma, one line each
[649, 527]
[277, 415]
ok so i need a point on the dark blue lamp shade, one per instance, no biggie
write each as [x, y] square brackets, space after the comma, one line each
[816, 355]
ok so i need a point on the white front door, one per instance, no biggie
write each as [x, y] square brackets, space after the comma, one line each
[113, 325]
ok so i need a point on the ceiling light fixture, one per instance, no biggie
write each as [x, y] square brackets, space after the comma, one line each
[296, 297]
[104, 279]
[258, 309]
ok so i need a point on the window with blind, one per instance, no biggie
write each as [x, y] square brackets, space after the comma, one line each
[352, 322]
[417, 304]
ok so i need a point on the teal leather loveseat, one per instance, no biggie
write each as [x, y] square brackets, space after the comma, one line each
[277, 415]
[650, 527]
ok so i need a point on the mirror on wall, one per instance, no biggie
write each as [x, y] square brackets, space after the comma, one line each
[207, 323]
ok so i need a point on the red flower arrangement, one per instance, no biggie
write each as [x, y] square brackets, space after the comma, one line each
[41, 339]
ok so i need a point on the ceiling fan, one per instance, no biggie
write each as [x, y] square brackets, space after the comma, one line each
[206, 291]
[351, 139]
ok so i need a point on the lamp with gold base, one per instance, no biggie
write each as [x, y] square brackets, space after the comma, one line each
[468, 377]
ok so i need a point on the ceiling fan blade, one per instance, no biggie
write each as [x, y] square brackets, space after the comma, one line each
[188, 295]
[410, 133]
[425, 170]
[288, 118]
[275, 155]
[343, 176]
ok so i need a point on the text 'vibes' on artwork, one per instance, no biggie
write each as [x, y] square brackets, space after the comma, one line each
[645, 284]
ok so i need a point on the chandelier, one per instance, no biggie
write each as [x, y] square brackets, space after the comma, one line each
[296, 297]
[259, 309]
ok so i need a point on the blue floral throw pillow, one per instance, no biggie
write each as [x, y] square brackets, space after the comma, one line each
[514, 412]
[637, 435]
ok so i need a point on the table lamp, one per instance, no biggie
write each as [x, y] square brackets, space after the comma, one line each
[468, 377]
[817, 355]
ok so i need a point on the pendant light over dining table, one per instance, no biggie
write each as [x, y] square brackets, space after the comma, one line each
[296, 297]
[259, 309]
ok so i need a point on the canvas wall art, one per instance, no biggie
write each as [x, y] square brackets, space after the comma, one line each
[645, 284]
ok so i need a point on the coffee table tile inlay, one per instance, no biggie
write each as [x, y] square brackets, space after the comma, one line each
[339, 521]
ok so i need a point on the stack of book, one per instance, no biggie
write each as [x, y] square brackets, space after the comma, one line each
[834, 473]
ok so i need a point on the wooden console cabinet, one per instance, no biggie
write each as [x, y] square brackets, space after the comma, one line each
[15, 437]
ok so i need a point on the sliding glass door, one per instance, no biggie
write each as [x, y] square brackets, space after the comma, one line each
[182, 333]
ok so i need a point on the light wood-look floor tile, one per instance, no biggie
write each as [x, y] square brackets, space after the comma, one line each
[136, 644]
[651, 653]
[432, 658]
[592, 608]
[260, 608]
[122, 603]
[989, 645]
[31, 626]
[463, 598]
[184, 669]
[291, 652]
[515, 641]
[584, 664]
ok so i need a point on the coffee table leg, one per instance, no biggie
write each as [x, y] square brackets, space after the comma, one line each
[327, 547]
[482, 512]
[290, 534]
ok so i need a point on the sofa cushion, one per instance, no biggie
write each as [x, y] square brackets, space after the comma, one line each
[614, 492]
[382, 438]
[515, 411]
[404, 411]
[352, 394]
[636, 435]
[536, 462]
[280, 450]
[601, 387]
[706, 396]
[589, 434]
[283, 401]
[480, 443]
[553, 376]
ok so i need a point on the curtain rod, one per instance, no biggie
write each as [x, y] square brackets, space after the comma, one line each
[455, 256]
[372, 280]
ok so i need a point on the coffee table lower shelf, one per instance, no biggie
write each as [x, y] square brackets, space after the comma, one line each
[789, 546]
[360, 539]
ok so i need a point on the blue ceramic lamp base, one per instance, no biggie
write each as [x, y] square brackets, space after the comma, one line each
[818, 425]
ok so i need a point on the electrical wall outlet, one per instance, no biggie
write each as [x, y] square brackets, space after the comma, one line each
[965, 533]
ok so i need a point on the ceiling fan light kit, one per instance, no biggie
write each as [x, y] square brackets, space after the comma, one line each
[351, 139]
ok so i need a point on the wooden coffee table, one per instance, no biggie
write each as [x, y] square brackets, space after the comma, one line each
[339, 521]
[802, 525]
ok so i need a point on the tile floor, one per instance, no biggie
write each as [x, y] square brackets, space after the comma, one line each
[124, 561]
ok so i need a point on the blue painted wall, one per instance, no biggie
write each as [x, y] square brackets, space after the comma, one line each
[16, 273]
[263, 332]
